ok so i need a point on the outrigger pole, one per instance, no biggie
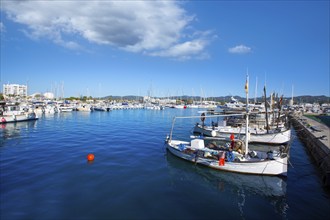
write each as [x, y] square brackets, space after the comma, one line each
[267, 127]
[194, 116]
[247, 115]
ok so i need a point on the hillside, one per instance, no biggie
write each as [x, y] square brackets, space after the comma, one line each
[222, 99]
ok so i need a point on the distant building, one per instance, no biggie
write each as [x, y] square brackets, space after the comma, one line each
[14, 90]
[49, 95]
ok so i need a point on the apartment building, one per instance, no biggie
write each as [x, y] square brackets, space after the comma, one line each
[14, 90]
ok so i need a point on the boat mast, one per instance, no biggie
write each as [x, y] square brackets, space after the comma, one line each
[247, 115]
[266, 110]
[171, 133]
[255, 91]
[279, 110]
[292, 96]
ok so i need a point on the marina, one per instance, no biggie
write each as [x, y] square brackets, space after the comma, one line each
[45, 174]
[129, 110]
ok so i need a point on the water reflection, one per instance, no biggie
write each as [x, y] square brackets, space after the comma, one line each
[81, 115]
[257, 184]
[269, 188]
[13, 130]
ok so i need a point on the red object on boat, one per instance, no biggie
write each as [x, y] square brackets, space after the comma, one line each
[232, 137]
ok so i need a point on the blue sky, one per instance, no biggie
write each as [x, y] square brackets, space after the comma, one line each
[202, 48]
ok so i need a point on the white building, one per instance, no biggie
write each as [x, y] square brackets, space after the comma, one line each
[15, 90]
[49, 95]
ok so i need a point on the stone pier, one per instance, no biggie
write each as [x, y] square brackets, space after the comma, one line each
[316, 137]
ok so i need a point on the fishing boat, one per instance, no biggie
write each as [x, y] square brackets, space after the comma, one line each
[232, 156]
[260, 130]
[268, 186]
[279, 135]
[15, 113]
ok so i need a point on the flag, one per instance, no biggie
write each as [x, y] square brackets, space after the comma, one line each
[246, 86]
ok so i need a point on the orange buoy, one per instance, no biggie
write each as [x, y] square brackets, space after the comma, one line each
[90, 157]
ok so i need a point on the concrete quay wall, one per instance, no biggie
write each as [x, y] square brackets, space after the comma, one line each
[316, 138]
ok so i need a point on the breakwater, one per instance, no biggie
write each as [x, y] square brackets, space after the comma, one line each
[316, 137]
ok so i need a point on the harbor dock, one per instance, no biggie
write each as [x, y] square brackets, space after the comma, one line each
[316, 137]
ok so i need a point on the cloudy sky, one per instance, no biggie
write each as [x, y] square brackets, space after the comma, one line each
[164, 48]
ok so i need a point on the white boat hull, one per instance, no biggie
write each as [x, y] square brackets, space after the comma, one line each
[278, 137]
[281, 137]
[18, 118]
[65, 109]
[84, 108]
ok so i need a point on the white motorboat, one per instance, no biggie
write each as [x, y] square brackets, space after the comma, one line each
[15, 113]
[233, 105]
[65, 108]
[84, 108]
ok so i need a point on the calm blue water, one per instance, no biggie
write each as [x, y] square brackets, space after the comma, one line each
[45, 174]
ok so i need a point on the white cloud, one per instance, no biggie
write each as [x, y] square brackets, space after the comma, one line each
[240, 49]
[149, 27]
[2, 27]
[184, 51]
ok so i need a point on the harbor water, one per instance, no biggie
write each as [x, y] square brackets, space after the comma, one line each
[45, 173]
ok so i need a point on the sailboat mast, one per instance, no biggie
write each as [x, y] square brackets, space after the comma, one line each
[279, 110]
[292, 95]
[255, 91]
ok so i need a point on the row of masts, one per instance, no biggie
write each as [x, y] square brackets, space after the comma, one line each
[271, 96]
